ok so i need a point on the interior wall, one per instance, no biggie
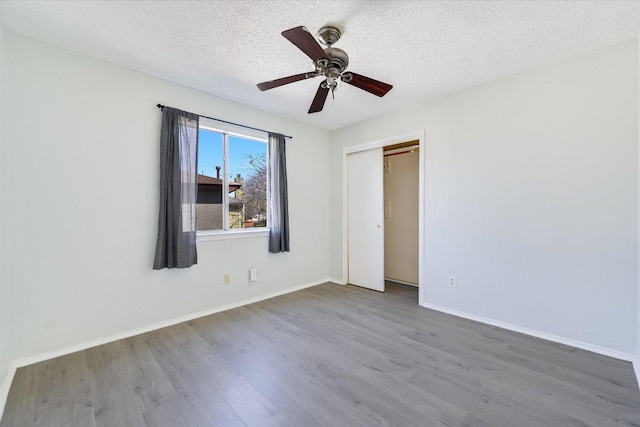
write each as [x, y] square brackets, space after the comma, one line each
[83, 139]
[401, 217]
[5, 319]
[531, 197]
[636, 363]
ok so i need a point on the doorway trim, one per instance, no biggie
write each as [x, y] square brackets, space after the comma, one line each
[419, 135]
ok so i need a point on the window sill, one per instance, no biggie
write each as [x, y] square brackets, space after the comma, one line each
[205, 236]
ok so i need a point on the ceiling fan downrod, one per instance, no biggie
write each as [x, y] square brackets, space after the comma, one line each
[336, 61]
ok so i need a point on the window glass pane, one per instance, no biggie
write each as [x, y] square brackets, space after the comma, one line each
[247, 183]
[209, 206]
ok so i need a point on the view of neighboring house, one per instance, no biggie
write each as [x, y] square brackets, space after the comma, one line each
[209, 206]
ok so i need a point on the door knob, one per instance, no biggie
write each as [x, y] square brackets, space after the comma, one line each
[379, 225]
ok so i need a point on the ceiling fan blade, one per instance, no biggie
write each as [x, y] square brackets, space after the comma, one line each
[319, 99]
[367, 83]
[284, 81]
[302, 38]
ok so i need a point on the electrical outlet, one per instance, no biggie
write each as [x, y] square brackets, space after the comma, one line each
[253, 274]
[452, 282]
[227, 278]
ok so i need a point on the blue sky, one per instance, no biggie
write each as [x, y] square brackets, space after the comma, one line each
[210, 153]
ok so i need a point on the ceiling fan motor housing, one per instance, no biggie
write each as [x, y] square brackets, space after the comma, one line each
[338, 58]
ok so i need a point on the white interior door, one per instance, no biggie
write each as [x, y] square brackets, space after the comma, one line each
[366, 218]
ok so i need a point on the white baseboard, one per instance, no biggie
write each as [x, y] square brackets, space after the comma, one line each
[636, 368]
[401, 282]
[25, 361]
[538, 334]
[6, 385]
[339, 282]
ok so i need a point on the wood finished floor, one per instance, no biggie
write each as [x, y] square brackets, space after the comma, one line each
[327, 356]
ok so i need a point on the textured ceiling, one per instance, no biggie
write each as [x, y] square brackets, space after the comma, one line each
[425, 49]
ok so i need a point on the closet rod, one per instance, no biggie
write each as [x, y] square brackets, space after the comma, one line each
[400, 151]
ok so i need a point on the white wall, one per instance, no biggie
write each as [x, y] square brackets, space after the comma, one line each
[401, 190]
[5, 319]
[531, 197]
[636, 363]
[83, 148]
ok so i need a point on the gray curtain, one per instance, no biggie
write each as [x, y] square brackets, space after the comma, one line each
[279, 200]
[176, 244]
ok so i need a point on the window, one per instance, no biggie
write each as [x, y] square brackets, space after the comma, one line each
[232, 181]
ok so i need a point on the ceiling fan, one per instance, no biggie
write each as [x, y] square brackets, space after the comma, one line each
[330, 63]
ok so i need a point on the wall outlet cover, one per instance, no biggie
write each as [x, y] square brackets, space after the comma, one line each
[452, 282]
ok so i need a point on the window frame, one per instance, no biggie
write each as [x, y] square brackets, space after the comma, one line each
[226, 232]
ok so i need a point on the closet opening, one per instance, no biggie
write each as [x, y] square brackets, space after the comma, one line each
[383, 215]
[401, 165]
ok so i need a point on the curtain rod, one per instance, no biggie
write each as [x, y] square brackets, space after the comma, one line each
[160, 106]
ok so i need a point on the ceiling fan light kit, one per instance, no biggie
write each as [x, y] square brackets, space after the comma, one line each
[330, 63]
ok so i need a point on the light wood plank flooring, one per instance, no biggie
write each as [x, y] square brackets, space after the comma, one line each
[327, 356]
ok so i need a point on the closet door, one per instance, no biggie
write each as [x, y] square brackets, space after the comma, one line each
[366, 219]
